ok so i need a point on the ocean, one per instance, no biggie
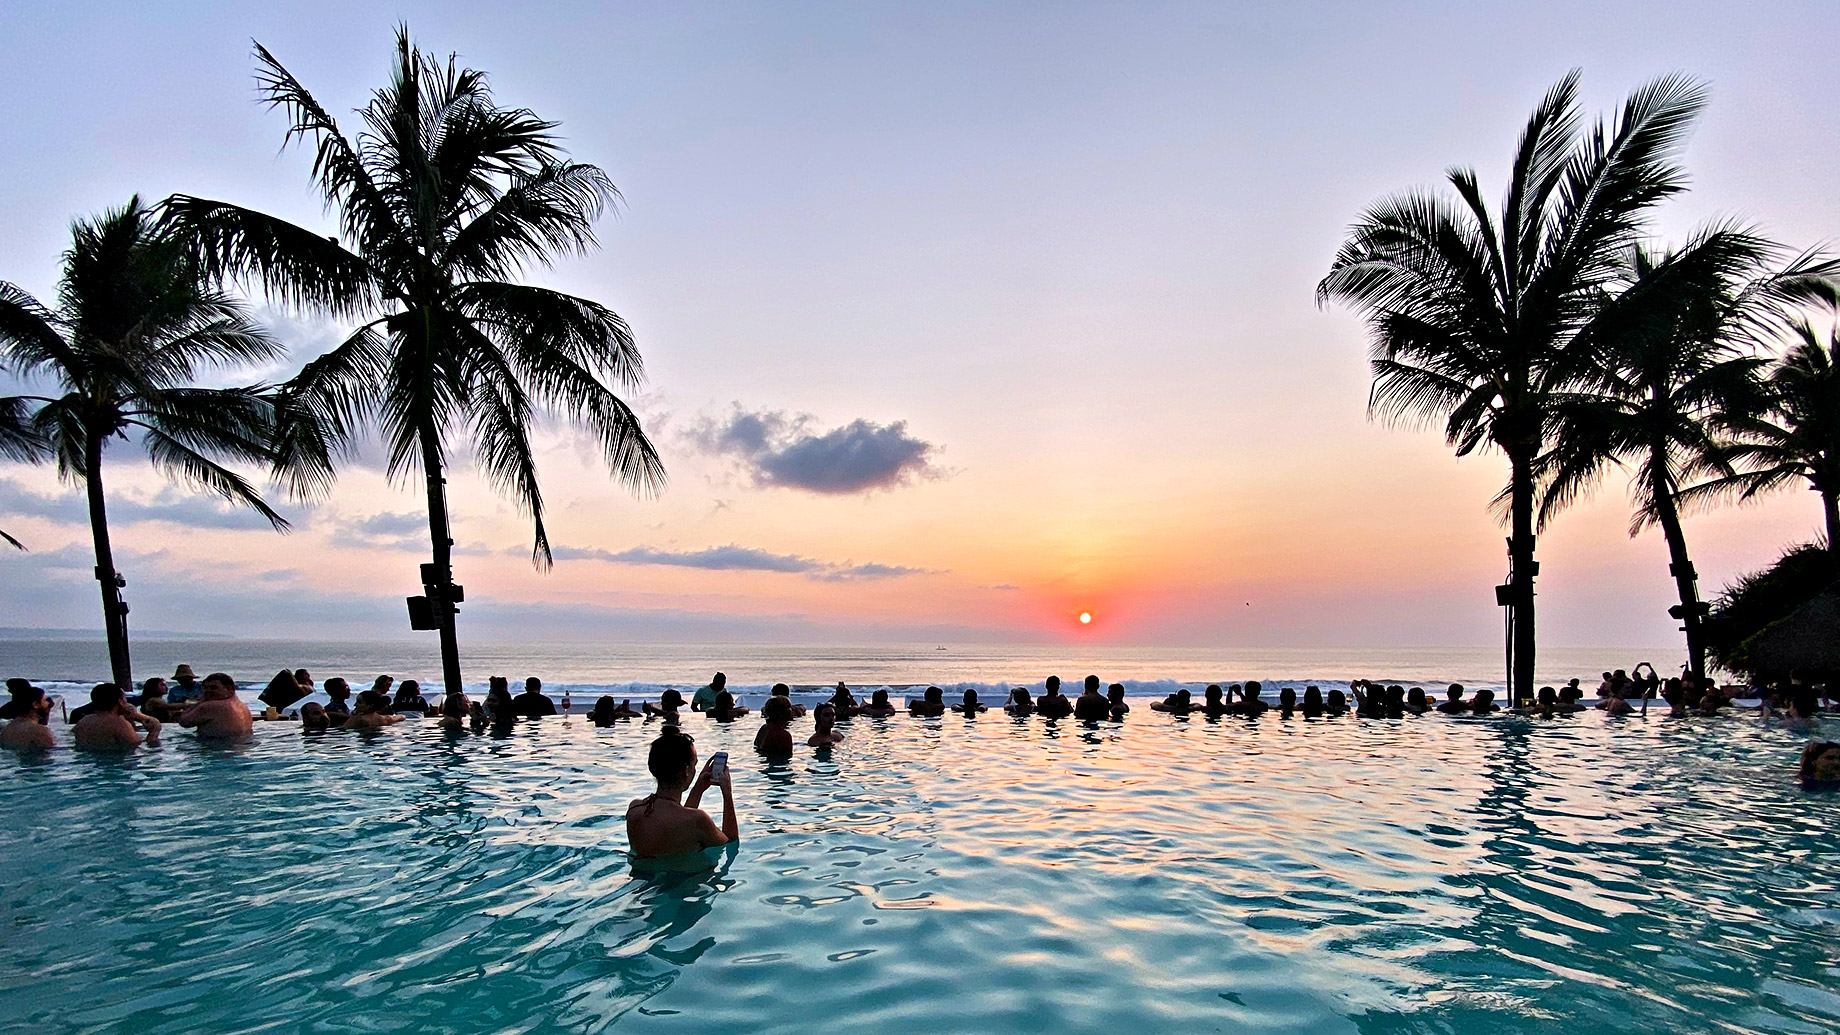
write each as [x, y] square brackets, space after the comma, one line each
[642, 670]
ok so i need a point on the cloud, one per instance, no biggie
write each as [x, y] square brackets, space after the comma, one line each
[171, 505]
[740, 558]
[854, 572]
[716, 558]
[783, 451]
[393, 524]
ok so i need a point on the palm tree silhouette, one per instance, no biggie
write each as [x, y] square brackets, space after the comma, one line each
[1680, 365]
[1798, 437]
[1478, 320]
[440, 200]
[138, 320]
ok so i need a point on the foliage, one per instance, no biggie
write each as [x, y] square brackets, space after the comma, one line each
[1754, 602]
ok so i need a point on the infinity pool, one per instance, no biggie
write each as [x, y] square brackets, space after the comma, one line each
[988, 875]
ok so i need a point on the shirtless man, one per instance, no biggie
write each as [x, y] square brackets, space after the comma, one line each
[27, 731]
[666, 823]
[1091, 705]
[219, 715]
[111, 726]
[825, 716]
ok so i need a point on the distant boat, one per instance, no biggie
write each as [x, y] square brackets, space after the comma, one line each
[939, 648]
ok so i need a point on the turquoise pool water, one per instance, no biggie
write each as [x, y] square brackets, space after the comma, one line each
[1417, 875]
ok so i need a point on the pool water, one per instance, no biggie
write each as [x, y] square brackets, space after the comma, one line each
[1186, 875]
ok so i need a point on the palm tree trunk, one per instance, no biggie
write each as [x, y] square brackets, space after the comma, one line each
[1522, 569]
[114, 609]
[438, 580]
[1686, 580]
[1830, 504]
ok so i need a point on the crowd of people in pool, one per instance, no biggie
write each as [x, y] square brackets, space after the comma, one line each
[114, 721]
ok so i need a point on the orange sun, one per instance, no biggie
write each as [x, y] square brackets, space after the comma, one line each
[1085, 617]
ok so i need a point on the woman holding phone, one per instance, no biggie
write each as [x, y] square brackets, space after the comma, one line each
[665, 822]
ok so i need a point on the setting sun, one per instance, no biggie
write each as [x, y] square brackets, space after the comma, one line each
[1085, 617]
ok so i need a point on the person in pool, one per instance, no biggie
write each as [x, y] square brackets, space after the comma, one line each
[1416, 701]
[878, 706]
[1052, 704]
[1369, 699]
[668, 704]
[1178, 703]
[1312, 705]
[1335, 705]
[1820, 767]
[782, 690]
[705, 697]
[1483, 703]
[1618, 702]
[1453, 701]
[28, 730]
[1250, 703]
[338, 706]
[108, 727]
[726, 710]
[775, 737]
[824, 718]
[970, 705]
[313, 718]
[409, 699]
[930, 706]
[1287, 702]
[372, 713]
[455, 710]
[533, 703]
[153, 700]
[185, 686]
[1212, 706]
[499, 708]
[665, 822]
[1114, 698]
[1020, 703]
[1091, 706]
[844, 702]
[607, 711]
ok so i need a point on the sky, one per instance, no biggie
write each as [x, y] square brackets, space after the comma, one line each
[958, 319]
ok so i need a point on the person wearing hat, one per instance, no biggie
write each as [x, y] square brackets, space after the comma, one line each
[25, 695]
[29, 730]
[184, 686]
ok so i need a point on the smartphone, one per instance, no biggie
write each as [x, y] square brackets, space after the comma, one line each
[718, 765]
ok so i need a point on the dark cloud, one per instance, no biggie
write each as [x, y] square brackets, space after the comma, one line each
[739, 558]
[170, 504]
[860, 456]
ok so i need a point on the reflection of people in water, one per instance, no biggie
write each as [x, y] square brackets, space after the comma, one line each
[665, 823]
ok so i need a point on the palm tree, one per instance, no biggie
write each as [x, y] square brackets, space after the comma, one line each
[137, 321]
[1798, 438]
[1478, 320]
[18, 441]
[1680, 364]
[442, 199]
